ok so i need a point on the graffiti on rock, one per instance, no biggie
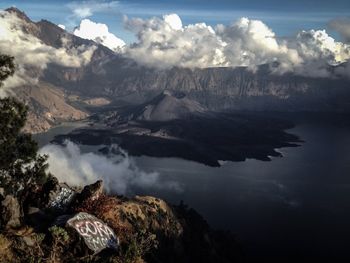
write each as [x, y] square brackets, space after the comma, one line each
[96, 234]
[63, 198]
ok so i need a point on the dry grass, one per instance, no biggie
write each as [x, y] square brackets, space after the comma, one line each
[6, 254]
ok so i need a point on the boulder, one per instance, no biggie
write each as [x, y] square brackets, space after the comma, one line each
[11, 212]
[57, 196]
[96, 234]
[90, 192]
[62, 198]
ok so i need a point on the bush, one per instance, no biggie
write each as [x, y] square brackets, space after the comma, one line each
[60, 238]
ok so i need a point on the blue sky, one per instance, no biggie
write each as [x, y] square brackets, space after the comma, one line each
[284, 17]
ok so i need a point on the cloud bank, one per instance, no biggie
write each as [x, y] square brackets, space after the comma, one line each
[165, 42]
[119, 173]
[32, 55]
[100, 34]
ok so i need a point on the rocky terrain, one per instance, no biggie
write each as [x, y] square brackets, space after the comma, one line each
[57, 223]
[48, 107]
[214, 88]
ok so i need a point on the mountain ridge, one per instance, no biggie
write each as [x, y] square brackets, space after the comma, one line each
[118, 78]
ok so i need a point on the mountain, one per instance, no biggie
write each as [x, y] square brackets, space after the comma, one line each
[117, 78]
[164, 107]
[214, 88]
[50, 104]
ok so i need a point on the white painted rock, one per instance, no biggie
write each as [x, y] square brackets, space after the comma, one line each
[96, 234]
[62, 198]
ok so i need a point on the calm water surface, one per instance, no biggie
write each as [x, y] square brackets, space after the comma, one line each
[295, 207]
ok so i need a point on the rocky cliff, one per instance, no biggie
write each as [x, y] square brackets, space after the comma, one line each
[61, 224]
[48, 107]
[216, 88]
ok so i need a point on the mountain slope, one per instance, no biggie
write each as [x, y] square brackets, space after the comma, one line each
[47, 106]
[47, 103]
[164, 107]
[215, 88]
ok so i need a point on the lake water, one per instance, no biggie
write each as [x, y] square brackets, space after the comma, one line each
[292, 208]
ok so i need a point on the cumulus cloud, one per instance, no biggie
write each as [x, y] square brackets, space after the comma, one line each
[174, 21]
[318, 50]
[165, 42]
[84, 9]
[32, 56]
[342, 26]
[251, 43]
[100, 34]
[118, 171]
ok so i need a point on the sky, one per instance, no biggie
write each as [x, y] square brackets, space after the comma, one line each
[284, 17]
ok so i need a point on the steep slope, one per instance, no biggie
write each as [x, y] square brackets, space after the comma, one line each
[215, 88]
[47, 103]
[47, 106]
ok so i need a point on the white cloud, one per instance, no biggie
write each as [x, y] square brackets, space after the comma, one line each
[82, 12]
[166, 43]
[319, 50]
[84, 9]
[31, 55]
[251, 43]
[317, 44]
[119, 172]
[100, 34]
[173, 20]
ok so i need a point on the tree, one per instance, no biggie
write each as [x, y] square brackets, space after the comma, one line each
[21, 166]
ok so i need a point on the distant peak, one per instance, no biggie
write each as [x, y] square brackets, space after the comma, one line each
[13, 9]
[18, 12]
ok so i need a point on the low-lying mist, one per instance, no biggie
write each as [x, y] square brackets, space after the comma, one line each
[118, 171]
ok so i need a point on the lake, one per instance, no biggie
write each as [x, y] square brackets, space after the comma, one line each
[292, 208]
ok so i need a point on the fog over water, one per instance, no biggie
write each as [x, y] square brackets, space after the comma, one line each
[294, 207]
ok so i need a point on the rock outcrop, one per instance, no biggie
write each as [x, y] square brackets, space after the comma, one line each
[106, 228]
[11, 212]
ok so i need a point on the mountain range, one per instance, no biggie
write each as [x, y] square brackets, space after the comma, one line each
[61, 92]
